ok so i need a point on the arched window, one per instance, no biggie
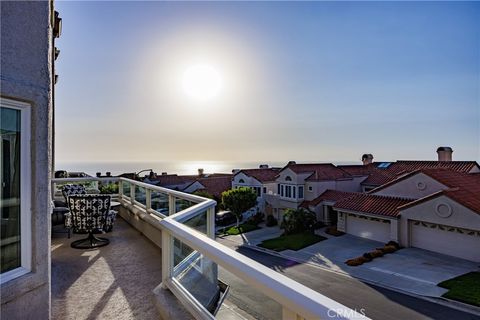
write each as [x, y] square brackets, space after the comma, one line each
[241, 181]
[288, 178]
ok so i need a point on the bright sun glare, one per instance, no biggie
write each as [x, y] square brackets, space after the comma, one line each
[202, 82]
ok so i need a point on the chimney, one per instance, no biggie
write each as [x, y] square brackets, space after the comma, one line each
[200, 172]
[367, 158]
[99, 174]
[291, 162]
[109, 174]
[164, 173]
[263, 166]
[444, 153]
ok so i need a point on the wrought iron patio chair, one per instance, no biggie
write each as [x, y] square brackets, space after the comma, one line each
[78, 189]
[89, 214]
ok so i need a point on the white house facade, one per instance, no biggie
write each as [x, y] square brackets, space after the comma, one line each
[261, 180]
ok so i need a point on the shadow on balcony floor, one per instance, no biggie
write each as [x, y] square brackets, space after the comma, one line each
[112, 282]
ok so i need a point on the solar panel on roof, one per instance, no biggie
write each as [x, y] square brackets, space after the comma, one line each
[384, 165]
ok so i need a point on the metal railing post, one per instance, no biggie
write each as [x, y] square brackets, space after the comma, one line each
[211, 222]
[171, 205]
[120, 189]
[148, 199]
[132, 193]
[167, 257]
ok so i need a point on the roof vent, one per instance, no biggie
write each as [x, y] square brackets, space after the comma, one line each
[263, 166]
[164, 173]
[291, 162]
[444, 153]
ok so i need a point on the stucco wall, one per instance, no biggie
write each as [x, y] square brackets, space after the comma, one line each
[26, 76]
[416, 186]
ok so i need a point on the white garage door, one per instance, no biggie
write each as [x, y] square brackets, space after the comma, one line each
[374, 230]
[451, 243]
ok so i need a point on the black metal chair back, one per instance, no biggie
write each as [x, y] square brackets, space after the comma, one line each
[89, 214]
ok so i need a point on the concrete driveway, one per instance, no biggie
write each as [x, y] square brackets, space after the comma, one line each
[410, 269]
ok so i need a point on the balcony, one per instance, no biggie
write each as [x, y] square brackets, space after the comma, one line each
[163, 260]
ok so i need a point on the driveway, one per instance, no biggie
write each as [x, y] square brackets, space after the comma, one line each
[255, 237]
[410, 269]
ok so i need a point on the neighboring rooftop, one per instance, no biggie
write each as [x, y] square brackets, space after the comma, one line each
[216, 185]
[261, 174]
[328, 195]
[373, 204]
[382, 174]
[319, 171]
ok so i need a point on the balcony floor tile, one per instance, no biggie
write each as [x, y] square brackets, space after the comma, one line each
[112, 282]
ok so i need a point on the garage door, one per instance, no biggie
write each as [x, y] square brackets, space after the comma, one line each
[453, 243]
[370, 229]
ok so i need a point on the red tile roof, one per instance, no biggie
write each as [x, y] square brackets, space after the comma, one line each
[262, 175]
[329, 195]
[446, 177]
[358, 170]
[373, 204]
[380, 176]
[319, 171]
[463, 188]
[216, 185]
[173, 179]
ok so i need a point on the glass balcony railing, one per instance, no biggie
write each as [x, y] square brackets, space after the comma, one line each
[191, 256]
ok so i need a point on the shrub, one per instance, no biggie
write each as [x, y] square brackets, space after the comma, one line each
[255, 219]
[388, 249]
[394, 244]
[354, 262]
[367, 256]
[111, 188]
[296, 221]
[357, 261]
[376, 253]
[271, 221]
[334, 232]
[318, 225]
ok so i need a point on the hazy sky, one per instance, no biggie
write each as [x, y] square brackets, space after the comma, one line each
[298, 81]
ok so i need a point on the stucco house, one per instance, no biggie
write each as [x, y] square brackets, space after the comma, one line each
[262, 180]
[213, 185]
[28, 30]
[296, 183]
[432, 209]
[375, 174]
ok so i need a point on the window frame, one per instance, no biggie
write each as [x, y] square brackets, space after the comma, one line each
[301, 194]
[25, 190]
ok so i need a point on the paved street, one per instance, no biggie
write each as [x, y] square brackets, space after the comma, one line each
[378, 303]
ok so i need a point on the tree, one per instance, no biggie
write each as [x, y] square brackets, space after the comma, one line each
[203, 193]
[297, 221]
[239, 200]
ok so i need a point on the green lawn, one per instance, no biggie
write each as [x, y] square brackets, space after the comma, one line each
[244, 227]
[465, 288]
[292, 241]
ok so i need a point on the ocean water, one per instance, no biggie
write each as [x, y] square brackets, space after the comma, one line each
[178, 167]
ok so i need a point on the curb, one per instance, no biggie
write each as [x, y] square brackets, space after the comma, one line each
[439, 300]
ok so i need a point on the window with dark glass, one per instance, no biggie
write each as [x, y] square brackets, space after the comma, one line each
[300, 192]
[10, 244]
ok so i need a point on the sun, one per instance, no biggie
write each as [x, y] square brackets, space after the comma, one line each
[202, 82]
